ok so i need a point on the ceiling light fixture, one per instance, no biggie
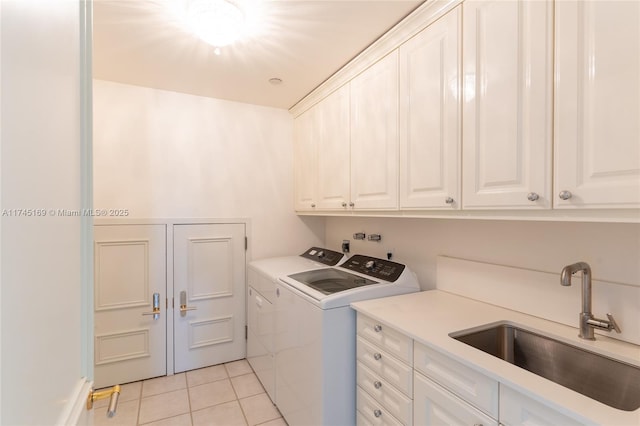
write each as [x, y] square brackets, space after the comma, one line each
[218, 22]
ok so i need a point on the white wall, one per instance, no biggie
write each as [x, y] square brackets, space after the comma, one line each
[41, 336]
[612, 250]
[163, 154]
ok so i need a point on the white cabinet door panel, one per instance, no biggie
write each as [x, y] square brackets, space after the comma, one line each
[517, 409]
[473, 386]
[305, 144]
[334, 151]
[597, 126]
[430, 116]
[507, 62]
[433, 405]
[374, 136]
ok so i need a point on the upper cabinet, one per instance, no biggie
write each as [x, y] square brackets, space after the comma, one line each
[430, 135]
[305, 134]
[374, 136]
[597, 126]
[334, 151]
[483, 108]
[508, 75]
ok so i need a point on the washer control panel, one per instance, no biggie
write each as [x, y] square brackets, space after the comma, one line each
[324, 256]
[379, 268]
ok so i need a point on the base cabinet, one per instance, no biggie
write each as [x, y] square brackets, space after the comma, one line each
[434, 405]
[384, 375]
[425, 387]
[518, 409]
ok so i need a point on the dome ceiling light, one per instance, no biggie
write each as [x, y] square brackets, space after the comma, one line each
[219, 22]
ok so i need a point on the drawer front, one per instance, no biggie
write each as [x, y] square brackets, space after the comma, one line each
[386, 366]
[435, 405]
[372, 412]
[472, 386]
[390, 340]
[398, 404]
[516, 409]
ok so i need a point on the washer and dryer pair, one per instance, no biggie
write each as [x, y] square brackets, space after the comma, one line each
[301, 338]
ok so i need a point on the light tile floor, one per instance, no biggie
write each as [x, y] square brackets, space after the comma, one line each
[226, 394]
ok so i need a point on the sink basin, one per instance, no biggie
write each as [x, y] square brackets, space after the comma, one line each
[611, 382]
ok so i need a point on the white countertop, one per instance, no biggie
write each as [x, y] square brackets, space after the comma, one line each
[430, 316]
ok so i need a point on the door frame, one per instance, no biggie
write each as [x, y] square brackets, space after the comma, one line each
[170, 223]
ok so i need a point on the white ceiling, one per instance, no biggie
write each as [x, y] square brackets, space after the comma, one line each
[303, 43]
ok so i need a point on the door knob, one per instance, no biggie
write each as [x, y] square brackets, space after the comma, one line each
[183, 304]
[156, 307]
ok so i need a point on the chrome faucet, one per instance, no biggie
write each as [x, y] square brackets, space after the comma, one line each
[587, 321]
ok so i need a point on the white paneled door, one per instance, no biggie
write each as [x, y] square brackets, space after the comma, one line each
[130, 267]
[209, 294]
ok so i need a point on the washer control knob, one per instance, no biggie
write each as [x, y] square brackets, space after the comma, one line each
[377, 384]
[370, 264]
[377, 328]
[377, 356]
[377, 413]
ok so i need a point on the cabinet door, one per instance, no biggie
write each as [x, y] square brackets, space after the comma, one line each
[305, 134]
[517, 409]
[430, 116]
[507, 62]
[597, 126]
[374, 136]
[334, 151]
[433, 405]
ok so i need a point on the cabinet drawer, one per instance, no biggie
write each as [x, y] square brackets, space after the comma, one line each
[470, 385]
[390, 340]
[372, 412]
[399, 405]
[516, 409]
[434, 405]
[385, 365]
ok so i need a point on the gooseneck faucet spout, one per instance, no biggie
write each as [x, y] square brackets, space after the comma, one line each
[587, 321]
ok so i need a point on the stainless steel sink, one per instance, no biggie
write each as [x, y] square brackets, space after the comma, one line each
[611, 382]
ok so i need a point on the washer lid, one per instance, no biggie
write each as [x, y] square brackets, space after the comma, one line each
[330, 281]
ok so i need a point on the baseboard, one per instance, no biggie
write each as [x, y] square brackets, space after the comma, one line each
[75, 411]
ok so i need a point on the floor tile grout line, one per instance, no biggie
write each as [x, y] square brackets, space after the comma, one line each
[244, 415]
[139, 402]
[186, 380]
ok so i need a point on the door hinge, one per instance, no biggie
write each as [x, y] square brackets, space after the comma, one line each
[246, 243]
[246, 332]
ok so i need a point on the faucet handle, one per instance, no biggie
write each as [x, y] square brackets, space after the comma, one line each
[613, 324]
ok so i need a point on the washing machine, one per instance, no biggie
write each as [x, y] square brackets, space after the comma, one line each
[262, 276]
[316, 336]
